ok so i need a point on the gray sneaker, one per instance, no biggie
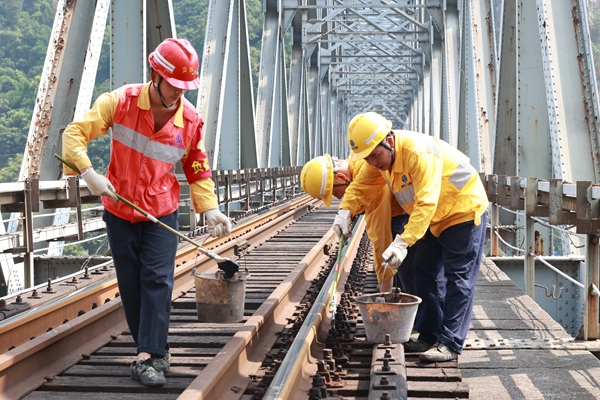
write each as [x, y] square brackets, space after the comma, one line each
[144, 372]
[439, 352]
[416, 346]
[162, 364]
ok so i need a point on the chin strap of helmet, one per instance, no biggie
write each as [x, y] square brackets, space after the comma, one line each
[336, 168]
[385, 145]
[156, 87]
[347, 183]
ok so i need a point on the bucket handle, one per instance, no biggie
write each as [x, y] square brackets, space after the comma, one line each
[193, 271]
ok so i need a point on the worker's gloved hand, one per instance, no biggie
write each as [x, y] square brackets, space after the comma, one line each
[98, 184]
[395, 253]
[218, 224]
[341, 223]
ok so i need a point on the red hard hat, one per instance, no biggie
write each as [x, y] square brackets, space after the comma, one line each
[177, 62]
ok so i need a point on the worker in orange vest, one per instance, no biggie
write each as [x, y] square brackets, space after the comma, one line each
[153, 128]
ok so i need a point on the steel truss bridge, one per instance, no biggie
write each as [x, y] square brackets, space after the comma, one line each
[510, 83]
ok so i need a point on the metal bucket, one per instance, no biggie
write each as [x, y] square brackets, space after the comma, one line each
[388, 313]
[219, 299]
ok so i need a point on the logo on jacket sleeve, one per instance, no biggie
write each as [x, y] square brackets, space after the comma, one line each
[200, 166]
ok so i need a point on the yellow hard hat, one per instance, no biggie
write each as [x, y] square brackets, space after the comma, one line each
[365, 132]
[316, 178]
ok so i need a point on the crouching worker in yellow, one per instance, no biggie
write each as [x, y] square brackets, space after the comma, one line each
[324, 177]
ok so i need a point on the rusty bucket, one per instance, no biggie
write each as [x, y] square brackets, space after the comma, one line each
[388, 313]
[219, 299]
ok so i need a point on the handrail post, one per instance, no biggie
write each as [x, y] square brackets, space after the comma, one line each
[492, 190]
[530, 210]
[588, 211]
[29, 207]
[590, 303]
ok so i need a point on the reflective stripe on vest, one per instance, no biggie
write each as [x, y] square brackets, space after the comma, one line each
[150, 148]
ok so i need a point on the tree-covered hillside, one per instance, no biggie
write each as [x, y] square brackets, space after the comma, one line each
[23, 41]
[25, 27]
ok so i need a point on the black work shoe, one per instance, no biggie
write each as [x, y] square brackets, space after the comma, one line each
[144, 372]
[416, 346]
[162, 364]
[439, 352]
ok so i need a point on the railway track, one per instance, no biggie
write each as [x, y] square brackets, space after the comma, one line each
[97, 336]
[290, 253]
[47, 306]
[349, 367]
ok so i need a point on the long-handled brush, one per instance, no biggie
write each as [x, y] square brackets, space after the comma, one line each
[227, 265]
[333, 302]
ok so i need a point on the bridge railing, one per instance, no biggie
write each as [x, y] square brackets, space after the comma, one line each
[34, 203]
[555, 204]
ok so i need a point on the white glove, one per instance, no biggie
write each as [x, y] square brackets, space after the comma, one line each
[98, 184]
[341, 223]
[218, 224]
[395, 253]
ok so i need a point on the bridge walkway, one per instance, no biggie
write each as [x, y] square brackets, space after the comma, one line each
[515, 350]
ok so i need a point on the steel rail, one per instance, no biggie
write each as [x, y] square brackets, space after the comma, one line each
[26, 366]
[297, 366]
[226, 376]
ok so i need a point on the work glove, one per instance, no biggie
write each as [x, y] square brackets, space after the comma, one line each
[395, 253]
[98, 184]
[218, 224]
[341, 223]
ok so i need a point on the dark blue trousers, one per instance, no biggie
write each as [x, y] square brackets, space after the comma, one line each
[405, 277]
[447, 271]
[144, 259]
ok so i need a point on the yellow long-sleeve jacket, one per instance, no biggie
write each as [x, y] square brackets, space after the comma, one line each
[432, 181]
[142, 160]
[378, 213]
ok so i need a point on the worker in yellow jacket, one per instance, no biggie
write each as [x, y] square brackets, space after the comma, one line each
[325, 177]
[443, 194]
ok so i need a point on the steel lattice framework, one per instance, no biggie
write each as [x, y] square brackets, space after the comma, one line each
[511, 83]
[481, 74]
